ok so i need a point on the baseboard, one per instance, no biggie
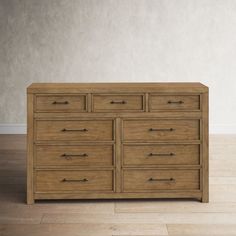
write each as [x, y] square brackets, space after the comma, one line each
[21, 129]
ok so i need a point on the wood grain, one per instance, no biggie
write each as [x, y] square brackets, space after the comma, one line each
[109, 103]
[114, 133]
[60, 103]
[174, 102]
[30, 148]
[74, 155]
[154, 180]
[94, 130]
[79, 180]
[205, 147]
[84, 229]
[139, 217]
[161, 154]
[139, 130]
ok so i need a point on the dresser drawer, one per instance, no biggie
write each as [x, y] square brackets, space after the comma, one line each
[154, 180]
[60, 103]
[108, 103]
[82, 155]
[155, 130]
[174, 102]
[160, 154]
[74, 180]
[76, 130]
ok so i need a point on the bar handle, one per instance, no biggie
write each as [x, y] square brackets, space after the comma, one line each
[69, 156]
[62, 103]
[153, 129]
[74, 130]
[118, 102]
[74, 180]
[175, 102]
[161, 154]
[162, 180]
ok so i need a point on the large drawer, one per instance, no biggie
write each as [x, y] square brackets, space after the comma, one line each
[174, 102]
[80, 155]
[74, 180]
[60, 103]
[161, 154]
[154, 180]
[155, 130]
[116, 103]
[74, 130]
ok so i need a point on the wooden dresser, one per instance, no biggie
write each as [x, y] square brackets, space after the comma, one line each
[117, 140]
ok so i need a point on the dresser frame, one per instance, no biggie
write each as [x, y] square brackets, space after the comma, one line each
[146, 89]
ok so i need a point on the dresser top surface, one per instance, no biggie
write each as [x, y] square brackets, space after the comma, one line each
[116, 87]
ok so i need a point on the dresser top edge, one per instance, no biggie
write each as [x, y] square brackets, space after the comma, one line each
[116, 87]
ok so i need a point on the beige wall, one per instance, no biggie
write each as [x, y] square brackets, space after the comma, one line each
[118, 40]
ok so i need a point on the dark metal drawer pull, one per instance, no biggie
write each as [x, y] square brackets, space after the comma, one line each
[74, 180]
[68, 156]
[162, 180]
[175, 102]
[63, 103]
[118, 102]
[71, 130]
[161, 154]
[153, 129]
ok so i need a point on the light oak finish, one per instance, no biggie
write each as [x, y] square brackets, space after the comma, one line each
[60, 103]
[109, 103]
[30, 148]
[174, 102]
[118, 217]
[75, 155]
[73, 180]
[161, 154]
[89, 141]
[155, 180]
[80, 130]
[159, 130]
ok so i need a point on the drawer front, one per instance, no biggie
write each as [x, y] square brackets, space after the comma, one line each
[155, 130]
[154, 180]
[100, 155]
[174, 102]
[107, 103]
[74, 180]
[79, 130]
[160, 154]
[61, 103]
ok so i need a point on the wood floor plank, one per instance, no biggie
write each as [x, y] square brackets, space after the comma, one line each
[174, 207]
[130, 217]
[13, 142]
[19, 217]
[142, 218]
[13, 188]
[59, 207]
[83, 229]
[223, 193]
[201, 229]
[226, 168]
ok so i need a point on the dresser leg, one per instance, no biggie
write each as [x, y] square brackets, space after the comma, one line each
[30, 198]
[205, 198]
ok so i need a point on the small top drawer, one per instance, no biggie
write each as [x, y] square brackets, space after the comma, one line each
[61, 103]
[174, 102]
[116, 103]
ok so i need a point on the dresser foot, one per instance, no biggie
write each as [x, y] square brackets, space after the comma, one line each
[205, 199]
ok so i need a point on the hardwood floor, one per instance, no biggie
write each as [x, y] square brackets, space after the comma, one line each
[118, 217]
